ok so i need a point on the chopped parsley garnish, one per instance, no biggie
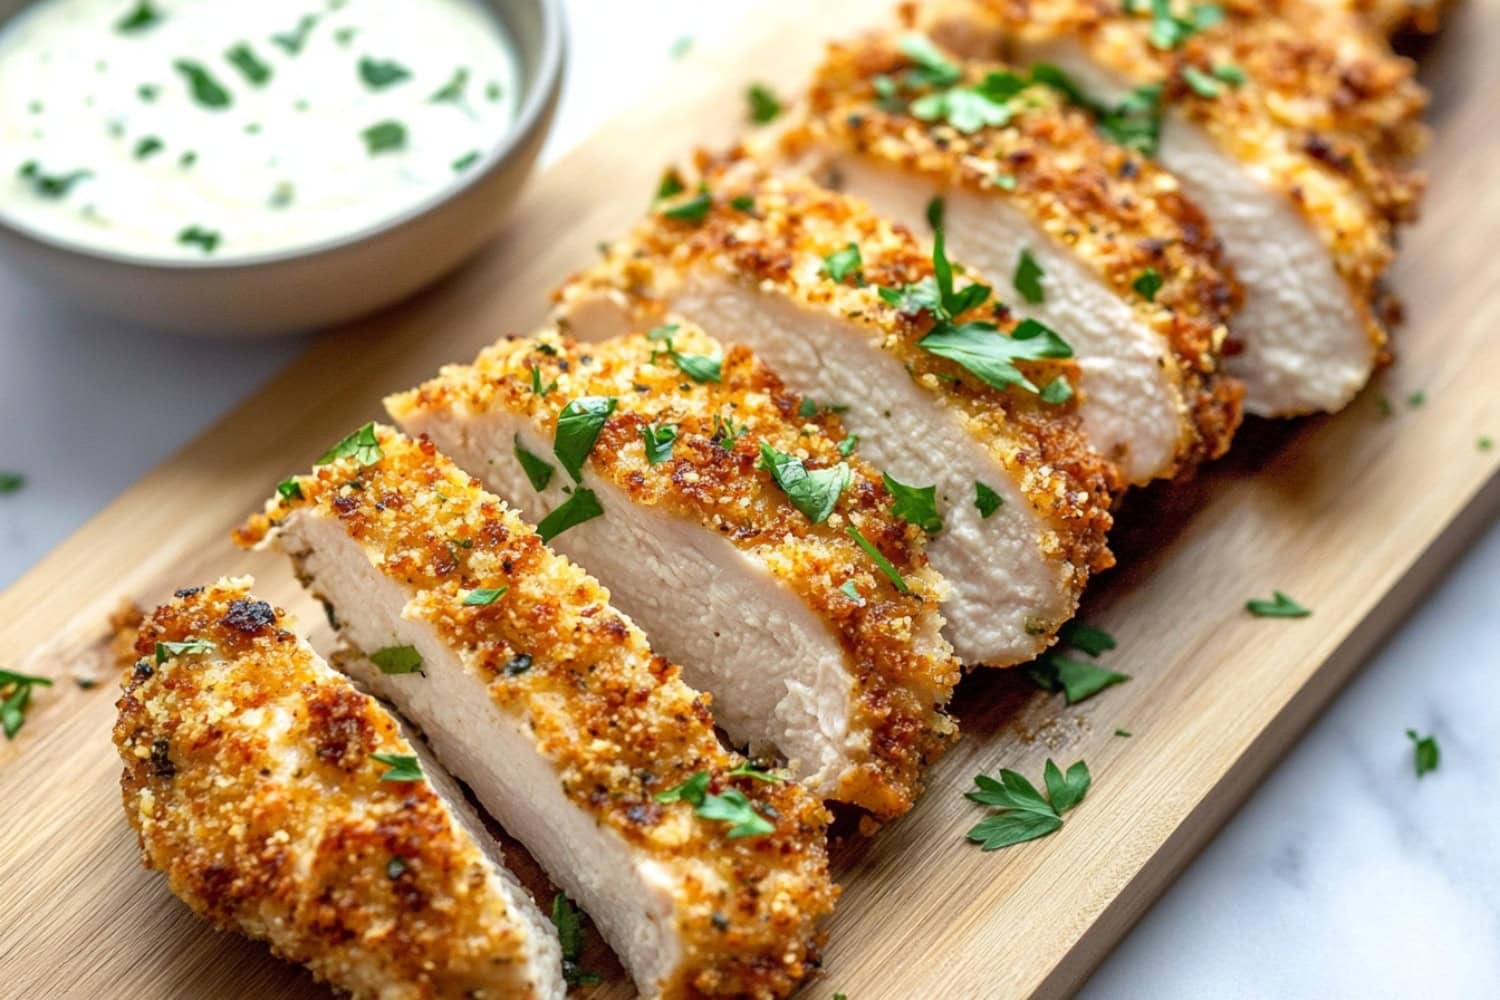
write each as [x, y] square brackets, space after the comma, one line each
[670, 184]
[384, 137]
[1124, 733]
[188, 647]
[1024, 813]
[847, 446]
[730, 807]
[148, 92]
[969, 109]
[1280, 606]
[1087, 638]
[363, 446]
[1134, 123]
[51, 185]
[578, 427]
[1417, 399]
[694, 209]
[483, 597]
[569, 924]
[842, 263]
[1169, 31]
[15, 696]
[1147, 284]
[880, 560]
[1200, 83]
[726, 431]
[742, 203]
[850, 591]
[1057, 392]
[1484, 443]
[582, 506]
[814, 492]
[1425, 752]
[538, 470]
[244, 59]
[466, 161]
[292, 42]
[764, 105]
[698, 367]
[658, 439]
[289, 489]
[916, 504]
[397, 660]
[538, 388]
[1076, 679]
[1028, 278]
[140, 17]
[452, 92]
[206, 240]
[1230, 74]
[201, 84]
[11, 482]
[986, 500]
[146, 146]
[933, 68]
[402, 766]
[378, 74]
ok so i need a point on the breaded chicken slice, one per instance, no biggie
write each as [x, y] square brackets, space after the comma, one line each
[941, 384]
[706, 876]
[282, 803]
[795, 596]
[1087, 236]
[1288, 124]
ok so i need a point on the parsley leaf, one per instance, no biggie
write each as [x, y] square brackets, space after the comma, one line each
[51, 185]
[813, 492]
[1078, 680]
[1148, 284]
[397, 660]
[698, 367]
[578, 427]
[384, 137]
[850, 591]
[969, 109]
[694, 210]
[1230, 74]
[206, 240]
[1066, 790]
[13, 704]
[1058, 391]
[363, 446]
[582, 506]
[466, 161]
[1200, 83]
[986, 500]
[749, 770]
[730, 807]
[1281, 606]
[537, 388]
[402, 766]
[1087, 638]
[189, 647]
[916, 504]
[691, 791]
[658, 440]
[146, 146]
[244, 59]
[292, 42]
[1134, 123]
[982, 350]
[1169, 31]
[1024, 813]
[1028, 278]
[933, 68]
[378, 74]
[846, 446]
[764, 105]
[880, 560]
[483, 597]
[569, 926]
[205, 89]
[452, 92]
[538, 470]
[11, 482]
[670, 184]
[142, 16]
[842, 263]
[1425, 752]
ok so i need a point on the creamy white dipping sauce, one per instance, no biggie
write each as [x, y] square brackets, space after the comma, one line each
[206, 129]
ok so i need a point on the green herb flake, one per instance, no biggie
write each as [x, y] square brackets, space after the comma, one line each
[582, 506]
[842, 263]
[698, 367]
[363, 446]
[669, 185]
[731, 807]
[880, 560]
[658, 440]
[933, 68]
[680, 47]
[743, 203]
[538, 470]
[850, 591]
[140, 17]
[1135, 122]
[1005, 182]
[1426, 754]
[15, 698]
[243, 58]
[148, 92]
[1078, 680]
[378, 74]
[578, 427]
[1147, 284]
[397, 660]
[466, 161]
[483, 597]
[1417, 399]
[1087, 638]
[986, 500]
[847, 446]
[204, 239]
[569, 924]
[694, 209]
[1023, 812]
[1280, 606]
[1057, 392]
[915, 504]
[201, 84]
[1124, 733]
[1028, 278]
[384, 137]
[292, 42]
[814, 492]
[401, 766]
[289, 489]
[764, 105]
[188, 647]
[1230, 74]
[11, 482]
[1200, 83]
[1485, 443]
[51, 185]
[983, 351]
[935, 213]
[749, 770]
[395, 868]
[969, 109]
[146, 146]
[452, 92]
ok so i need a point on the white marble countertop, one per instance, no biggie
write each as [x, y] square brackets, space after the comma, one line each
[1344, 876]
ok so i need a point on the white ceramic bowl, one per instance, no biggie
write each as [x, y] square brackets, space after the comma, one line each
[336, 279]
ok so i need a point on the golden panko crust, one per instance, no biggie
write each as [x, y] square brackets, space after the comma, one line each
[1115, 210]
[615, 720]
[250, 782]
[903, 671]
[781, 243]
[1326, 114]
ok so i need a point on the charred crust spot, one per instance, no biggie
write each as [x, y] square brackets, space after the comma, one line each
[249, 617]
[339, 723]
[186, 592]
[161, 760]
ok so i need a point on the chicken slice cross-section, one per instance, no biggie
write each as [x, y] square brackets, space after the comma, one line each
[263, 785]
[706, 876]
[809, 613]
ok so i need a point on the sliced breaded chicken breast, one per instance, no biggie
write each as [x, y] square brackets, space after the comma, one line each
[706, 879]
[844, 306]
[282, 803]
[1286, 124]
[796, 598]
[1085, 235]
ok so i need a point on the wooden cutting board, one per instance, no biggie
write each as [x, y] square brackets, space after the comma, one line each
[1354, 515]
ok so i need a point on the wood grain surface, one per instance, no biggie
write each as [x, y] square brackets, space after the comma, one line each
[1354, 515]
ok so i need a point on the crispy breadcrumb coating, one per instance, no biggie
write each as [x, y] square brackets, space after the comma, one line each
[250, 781]
[616, 721]
[903, 672]
[1115, 210]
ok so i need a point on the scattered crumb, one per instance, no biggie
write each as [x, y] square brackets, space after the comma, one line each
[124, 624]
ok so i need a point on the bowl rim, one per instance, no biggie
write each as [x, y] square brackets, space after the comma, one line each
[542, 90]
